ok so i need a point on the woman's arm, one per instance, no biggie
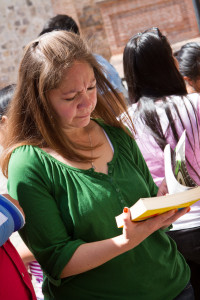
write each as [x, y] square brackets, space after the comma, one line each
[91, 255]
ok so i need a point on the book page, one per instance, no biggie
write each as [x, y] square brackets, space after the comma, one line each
[176, 173]
[180, 168]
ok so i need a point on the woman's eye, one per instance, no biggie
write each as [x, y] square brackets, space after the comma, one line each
[88, 89]
[71, 99]
[92, 87]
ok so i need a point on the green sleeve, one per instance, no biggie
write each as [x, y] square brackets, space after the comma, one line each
[145, 170]
[44, 232]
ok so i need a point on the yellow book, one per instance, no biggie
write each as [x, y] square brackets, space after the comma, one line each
[183, 191]
[150, 207]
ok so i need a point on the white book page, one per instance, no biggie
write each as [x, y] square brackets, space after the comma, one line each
[173, 185]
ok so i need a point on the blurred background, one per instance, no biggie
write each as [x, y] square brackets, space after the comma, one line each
[108, 24]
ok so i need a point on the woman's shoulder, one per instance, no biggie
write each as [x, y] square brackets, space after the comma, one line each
[26, 156]
[28, 162]
[25, 152]
[193, 98]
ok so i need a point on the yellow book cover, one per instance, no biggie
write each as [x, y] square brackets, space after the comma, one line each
[146, 208]
[182, 189]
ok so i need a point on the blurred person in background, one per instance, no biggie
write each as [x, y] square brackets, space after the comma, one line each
[6, 95]
[189, 65]
[15, 280]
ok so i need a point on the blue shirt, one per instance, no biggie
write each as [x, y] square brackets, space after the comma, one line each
[111, 74]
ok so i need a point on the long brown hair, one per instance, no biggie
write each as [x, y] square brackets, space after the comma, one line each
[31, 117]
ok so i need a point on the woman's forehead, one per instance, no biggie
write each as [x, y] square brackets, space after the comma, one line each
[78, 75]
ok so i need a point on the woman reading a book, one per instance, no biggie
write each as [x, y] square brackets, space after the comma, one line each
[161, 110]
[73, 167]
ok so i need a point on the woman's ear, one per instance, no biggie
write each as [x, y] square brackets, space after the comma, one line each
[188, 80]
[4, 119]
[189, 84]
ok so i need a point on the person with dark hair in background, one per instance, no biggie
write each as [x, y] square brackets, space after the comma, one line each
[161, 110]
[65, 22]
[60, 22]
[6, 95]
[74, 166]
[189, 65]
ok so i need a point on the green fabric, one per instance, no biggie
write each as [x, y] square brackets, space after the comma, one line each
[66, 207]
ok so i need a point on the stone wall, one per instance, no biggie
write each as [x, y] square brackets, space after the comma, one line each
[107, 24]
[175, 18]
[87, 14]
[21, 21]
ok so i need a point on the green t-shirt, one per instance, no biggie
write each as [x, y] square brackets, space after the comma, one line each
[66, 207]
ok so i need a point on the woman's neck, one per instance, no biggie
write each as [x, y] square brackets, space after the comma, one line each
[78, 134]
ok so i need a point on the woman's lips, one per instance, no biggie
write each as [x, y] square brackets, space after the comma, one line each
[84, 116]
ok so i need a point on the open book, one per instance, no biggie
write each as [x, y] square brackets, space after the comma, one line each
[177, 177]
[176, 173]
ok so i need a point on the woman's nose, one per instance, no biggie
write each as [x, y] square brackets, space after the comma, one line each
[85, 100]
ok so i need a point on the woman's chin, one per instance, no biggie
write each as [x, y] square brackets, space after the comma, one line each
[80, 123]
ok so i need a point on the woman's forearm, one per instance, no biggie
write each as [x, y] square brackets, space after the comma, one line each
[91, 255]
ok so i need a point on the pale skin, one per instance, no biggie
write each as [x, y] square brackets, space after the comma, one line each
[74, 100]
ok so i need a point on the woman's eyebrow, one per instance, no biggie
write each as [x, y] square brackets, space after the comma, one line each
[73, 91]
[70, 92]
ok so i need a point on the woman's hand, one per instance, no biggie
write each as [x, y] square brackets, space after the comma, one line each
[163, 190]
[135, 232]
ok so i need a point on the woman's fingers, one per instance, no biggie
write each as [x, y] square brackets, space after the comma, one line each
[135, 232]
[179, 213]
[163, 190]
[166, 219]
[127, 220]
[159, 221]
